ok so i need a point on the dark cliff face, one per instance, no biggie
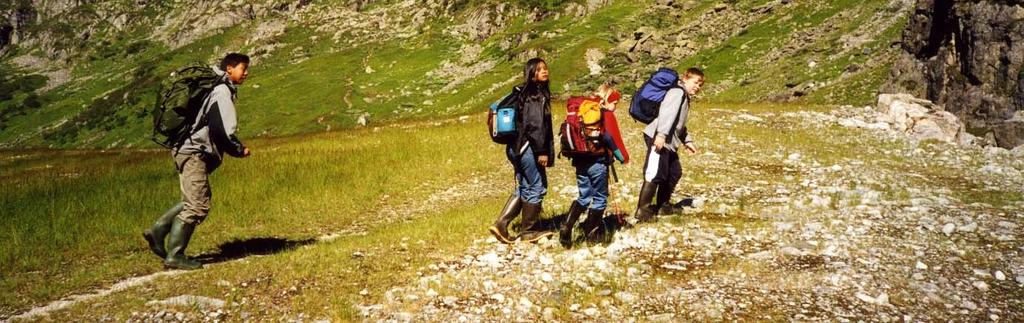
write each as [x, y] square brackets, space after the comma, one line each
[968, 57]
[13, 20]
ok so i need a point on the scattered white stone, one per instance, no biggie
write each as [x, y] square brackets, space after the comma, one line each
[525, 304]
[1000, 275]
[190, 300]
[545, 260]
[761, 255]
[549, 314]
[921, 266]
[970, 227]
[364, 292]
[431, 293]
[948, 229]
[591, 312]
[969, 305]
[980, 285]
[498, 297]
[449, 300]
[625, 297]
[748, 117]
[865, 298]
[882, 299]
[546, 277]
[792, 252]
[489, 260]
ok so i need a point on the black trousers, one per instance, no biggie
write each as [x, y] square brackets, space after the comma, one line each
[662, 168]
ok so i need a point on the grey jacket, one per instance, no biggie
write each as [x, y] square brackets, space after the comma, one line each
[675, 104]
[215, 127]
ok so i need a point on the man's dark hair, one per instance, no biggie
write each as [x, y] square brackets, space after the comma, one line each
[232, 60]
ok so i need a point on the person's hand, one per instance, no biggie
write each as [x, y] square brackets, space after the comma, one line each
[659, 142]
[542, 160]
[246, 152]
[690, 147]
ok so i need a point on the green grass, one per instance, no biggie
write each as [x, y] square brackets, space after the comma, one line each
[84, 210]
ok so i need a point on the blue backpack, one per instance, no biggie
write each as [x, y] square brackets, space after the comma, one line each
[501, 119]
[647, 100]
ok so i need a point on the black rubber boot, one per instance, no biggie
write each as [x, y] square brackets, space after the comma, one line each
[596, 232]
[509, 212]
[531, 215]
[644, 211]
[661, 201]
[156, 234]
[565, 231]
[177, 242]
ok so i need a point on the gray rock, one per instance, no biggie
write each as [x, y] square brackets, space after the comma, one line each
[625, 297]
[970, 227]
[948, 229]
[999, 275]
[449, 300]
[204, 302]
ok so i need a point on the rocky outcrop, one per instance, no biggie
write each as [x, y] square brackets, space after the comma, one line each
[13, 21]
[967, 56]
[921, 119]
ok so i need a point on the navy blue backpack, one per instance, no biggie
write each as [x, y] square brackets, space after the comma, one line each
[647, 100]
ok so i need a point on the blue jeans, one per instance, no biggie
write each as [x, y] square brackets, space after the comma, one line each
[592, 180]
[532, 179]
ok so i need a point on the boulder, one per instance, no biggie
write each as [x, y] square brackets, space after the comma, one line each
[921, 119]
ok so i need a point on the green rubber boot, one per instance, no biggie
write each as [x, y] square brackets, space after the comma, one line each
[177, 242]
[156, 234]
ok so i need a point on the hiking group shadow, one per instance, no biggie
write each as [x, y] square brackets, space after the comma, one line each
[238, 249]
[614, 221]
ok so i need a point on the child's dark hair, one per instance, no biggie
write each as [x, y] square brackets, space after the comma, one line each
[232, 60]
[531, 87]
[694, 71]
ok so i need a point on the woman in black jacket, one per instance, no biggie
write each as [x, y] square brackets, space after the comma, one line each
[529, 154]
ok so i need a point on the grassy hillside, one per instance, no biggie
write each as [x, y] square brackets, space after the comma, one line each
[323, 66]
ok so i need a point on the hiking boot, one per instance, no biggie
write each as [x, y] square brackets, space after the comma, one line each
[531, 215]
[644, 211]
[177, 241]
[156, 234]
[661, 200]
[565, 231]
[509, 212]
[596, 230]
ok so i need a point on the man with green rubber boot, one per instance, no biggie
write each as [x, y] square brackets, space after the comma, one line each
[212, 135]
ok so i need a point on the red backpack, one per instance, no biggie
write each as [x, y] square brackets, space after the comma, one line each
[578, 139]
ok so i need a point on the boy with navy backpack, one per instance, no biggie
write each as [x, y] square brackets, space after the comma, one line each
[665, 134]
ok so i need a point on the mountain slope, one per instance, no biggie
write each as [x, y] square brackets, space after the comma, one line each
[326, 65]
